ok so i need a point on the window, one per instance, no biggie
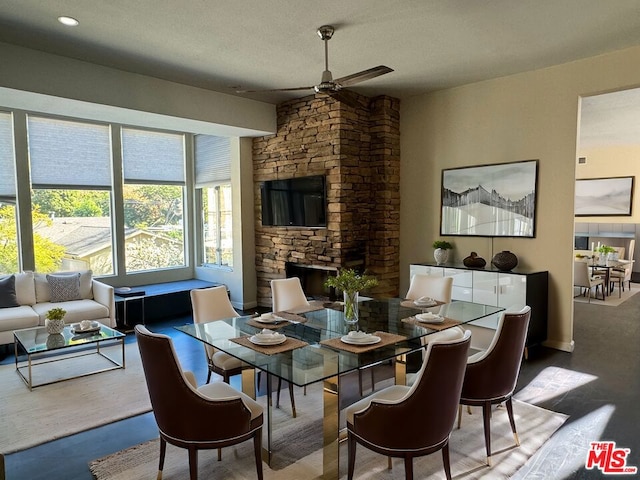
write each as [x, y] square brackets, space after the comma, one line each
[213, 183]
[153, 199]
[8, 239]
[8, 227]
[71, 201]
[217, 231]
[73, 196]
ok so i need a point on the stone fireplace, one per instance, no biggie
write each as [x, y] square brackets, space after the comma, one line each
[358, 151]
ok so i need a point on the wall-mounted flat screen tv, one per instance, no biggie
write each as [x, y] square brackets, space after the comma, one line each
[294, 202]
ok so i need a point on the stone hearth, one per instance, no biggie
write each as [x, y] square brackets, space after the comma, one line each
[358, 150]
[312, 278]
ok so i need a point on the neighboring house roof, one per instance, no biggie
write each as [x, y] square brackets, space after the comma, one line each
[83, 236]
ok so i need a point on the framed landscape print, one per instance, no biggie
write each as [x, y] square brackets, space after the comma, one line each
[497, 200]
[604, 197]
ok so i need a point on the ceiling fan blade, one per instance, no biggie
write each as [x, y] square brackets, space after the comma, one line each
[362, 76]
[344, 98]
[276, 90]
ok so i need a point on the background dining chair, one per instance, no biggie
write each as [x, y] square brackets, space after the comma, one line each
[210, 417]
[438, 288]
[583, 279]
[490, 377]
[625, 270]
[209, 304]
[407, 422]
[622, 274]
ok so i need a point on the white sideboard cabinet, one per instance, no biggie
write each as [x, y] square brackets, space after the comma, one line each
[513, 289]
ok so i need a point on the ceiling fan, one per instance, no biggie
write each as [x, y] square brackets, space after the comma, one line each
[328, 85]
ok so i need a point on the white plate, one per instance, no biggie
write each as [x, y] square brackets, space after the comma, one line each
[257, 341]
[269, 318]
[429, 318]
[370, 340]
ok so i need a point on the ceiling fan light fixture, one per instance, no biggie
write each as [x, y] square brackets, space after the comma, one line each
[68, 21]
[326, 87]
[325, 32]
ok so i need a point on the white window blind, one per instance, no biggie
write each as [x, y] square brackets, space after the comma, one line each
[7, 161]
[212, 159]
[153, 157]
[68, 154]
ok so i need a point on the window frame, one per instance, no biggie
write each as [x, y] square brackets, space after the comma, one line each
[201, 226]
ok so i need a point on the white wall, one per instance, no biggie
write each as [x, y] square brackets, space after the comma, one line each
[38, 81]
[533, 115]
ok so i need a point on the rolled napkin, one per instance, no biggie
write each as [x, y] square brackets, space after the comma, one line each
[269, 317]
[425, 301]
[359, 336]
[429, 317]
[267, 335]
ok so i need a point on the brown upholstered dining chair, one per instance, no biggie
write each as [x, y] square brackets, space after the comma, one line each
[407, 422]
[209, 304]
[491, 375]
[212, 416]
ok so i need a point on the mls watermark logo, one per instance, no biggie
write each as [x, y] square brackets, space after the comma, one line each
[609, 459]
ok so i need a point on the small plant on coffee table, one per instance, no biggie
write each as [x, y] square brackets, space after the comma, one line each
[56, 313]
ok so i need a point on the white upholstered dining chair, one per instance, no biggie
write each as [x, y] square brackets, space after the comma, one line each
[211, 304]
[623, 273]
[438, 288]
[286, 294]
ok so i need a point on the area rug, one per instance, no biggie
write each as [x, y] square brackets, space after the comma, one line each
[612, 300]
[298, 454]
[29, 418]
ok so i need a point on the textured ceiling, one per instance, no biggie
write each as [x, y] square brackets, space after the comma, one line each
[225, 45]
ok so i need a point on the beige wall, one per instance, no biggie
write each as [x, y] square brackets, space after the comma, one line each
[618, 161]
[533, 115]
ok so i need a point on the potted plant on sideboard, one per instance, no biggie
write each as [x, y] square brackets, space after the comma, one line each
[441, 252]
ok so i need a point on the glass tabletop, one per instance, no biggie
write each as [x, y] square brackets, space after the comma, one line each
[37, 340]
[317, 361]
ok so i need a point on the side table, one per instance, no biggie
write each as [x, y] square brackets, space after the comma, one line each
[125, 296]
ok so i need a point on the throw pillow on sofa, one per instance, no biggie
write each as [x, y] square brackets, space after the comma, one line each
[43, 291]
[8, 296]
[64, 287]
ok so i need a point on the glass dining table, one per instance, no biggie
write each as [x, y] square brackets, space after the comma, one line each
[315, 350]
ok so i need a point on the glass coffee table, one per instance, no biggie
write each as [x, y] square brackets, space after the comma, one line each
[46, 352]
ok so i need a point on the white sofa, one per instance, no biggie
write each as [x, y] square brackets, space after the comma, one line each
[33, 295]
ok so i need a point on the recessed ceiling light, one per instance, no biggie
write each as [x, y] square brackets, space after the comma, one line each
[68, 21]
